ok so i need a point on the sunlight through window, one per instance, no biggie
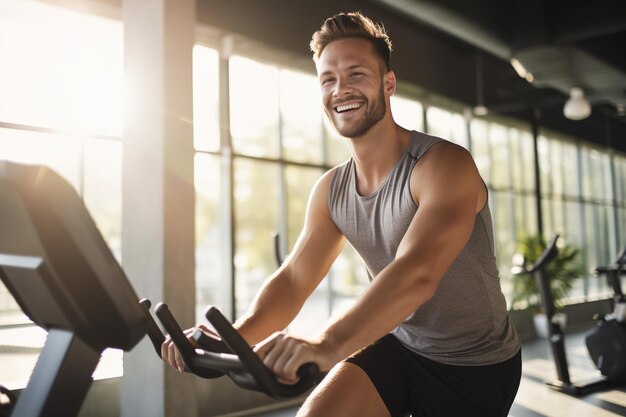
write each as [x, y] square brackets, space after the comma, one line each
[60, 69]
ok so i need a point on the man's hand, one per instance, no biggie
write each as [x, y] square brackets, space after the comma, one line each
[284, 355]
[171, 355]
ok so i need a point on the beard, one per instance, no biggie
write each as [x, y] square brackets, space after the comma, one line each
[376, 110]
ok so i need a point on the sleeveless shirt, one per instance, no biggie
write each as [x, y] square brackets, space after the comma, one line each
[466, 322]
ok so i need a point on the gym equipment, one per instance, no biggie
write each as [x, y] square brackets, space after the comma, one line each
[601, 339]
[62, 274]
[606, 343]
[7, 401]
[55, 263]
[613, 273]
[279, 257]
[214, 359]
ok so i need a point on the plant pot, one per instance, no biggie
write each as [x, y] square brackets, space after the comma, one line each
[541, 323]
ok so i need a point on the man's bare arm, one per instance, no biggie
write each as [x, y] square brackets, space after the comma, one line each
[284, 293]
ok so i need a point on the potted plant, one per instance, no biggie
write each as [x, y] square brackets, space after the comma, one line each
[563, 270]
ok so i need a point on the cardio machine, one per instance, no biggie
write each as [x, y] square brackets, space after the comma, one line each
[606, 343]
[59, 269]
[230, 355]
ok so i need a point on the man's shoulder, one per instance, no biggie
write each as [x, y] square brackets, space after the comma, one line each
[338, 171]
[443, 151]
[324, 182]
[422, 144]
[444, 167]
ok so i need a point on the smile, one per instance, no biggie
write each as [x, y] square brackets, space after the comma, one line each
[346, 107]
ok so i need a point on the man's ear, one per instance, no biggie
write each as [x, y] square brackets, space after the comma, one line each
[389, 80]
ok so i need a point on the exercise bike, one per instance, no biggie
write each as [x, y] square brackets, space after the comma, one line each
[606, 342]
[59, 269]
[231, 356]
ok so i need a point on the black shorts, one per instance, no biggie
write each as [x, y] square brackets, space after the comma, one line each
[410, 383]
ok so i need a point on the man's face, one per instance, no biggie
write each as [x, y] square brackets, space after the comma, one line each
[351, 81]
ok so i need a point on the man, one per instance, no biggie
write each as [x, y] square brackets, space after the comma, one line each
[431, 334]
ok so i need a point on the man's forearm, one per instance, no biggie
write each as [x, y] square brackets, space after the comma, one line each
[385, 304]
[273, 308]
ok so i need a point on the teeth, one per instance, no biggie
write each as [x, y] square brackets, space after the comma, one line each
[348, 107]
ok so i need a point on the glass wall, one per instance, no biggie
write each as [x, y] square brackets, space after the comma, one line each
[619, 170]
[448, 125]
[578, 203]
[598, 203]
[505, 158]
[407, 113]
[61, 101]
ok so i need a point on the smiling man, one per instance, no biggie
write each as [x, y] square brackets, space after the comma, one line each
[431, 335]
[363, 73]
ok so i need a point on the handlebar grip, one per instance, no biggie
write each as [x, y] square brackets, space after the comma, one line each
[184, 346]
[309, 373]
[244, 367]
[208, 343]
[236, 342]
[154, 332]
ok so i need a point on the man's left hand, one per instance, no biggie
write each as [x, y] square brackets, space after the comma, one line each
[284, 354]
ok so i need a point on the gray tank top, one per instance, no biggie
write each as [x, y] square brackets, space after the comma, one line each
[466, 322]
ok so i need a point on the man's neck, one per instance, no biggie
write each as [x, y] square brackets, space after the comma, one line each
[376, 154]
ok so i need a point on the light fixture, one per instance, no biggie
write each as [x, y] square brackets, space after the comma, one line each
[479, 109]
[577, 107]
[522, 71]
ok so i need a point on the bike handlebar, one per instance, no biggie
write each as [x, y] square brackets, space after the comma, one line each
[154, 332]
[243, 366]
[547, 255]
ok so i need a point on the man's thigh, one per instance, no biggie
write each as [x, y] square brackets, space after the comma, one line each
[345, 392]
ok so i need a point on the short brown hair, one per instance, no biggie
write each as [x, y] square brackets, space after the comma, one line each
[352, 25]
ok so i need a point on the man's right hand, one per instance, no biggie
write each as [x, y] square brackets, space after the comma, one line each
[171, 355]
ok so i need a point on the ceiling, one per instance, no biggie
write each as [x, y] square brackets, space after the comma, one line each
[563, 44]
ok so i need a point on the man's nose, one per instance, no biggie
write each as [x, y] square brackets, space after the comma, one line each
[342, 87]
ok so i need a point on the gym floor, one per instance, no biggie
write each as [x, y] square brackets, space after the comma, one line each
[534, 399]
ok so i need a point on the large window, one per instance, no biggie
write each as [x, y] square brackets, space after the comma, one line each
[504, 156]
[560, 188]
[578, 203]
[619, 164]
[206, 116]
[61, 101]
[448, 125]
[210, 254]
[407, 113]
[598, 210]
